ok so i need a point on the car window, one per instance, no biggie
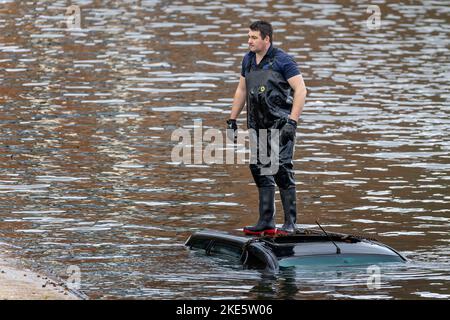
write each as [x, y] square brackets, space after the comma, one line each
[226, 250]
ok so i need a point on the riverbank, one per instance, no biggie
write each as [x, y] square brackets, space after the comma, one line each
[19, 283]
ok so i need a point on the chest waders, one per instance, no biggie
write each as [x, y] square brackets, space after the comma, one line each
[269, 104]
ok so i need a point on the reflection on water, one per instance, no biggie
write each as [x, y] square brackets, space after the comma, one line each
[86, 117]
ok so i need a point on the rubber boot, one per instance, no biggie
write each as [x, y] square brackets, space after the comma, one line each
[289, 201]
[266, 223]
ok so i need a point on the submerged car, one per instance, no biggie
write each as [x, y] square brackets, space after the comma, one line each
[307, 247]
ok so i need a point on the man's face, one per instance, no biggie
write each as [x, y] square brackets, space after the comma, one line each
[255, 42]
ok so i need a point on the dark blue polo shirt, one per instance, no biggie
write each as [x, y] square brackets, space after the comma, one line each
[283, 63]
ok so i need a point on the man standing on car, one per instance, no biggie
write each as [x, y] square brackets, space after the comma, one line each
[273, 88]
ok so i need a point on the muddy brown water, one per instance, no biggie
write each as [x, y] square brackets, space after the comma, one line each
[86, 117]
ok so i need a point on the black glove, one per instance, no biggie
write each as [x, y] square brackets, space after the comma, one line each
[232, 130]
[287, 132]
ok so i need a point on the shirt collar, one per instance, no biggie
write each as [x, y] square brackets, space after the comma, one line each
[269, 54]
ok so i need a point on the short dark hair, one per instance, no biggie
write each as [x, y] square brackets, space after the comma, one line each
[264, 27]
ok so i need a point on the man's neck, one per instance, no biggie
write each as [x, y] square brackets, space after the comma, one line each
[260, 55]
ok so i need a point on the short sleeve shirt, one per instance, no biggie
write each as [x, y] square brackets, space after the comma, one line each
[283, 63]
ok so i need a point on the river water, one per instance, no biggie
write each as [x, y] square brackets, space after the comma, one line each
[87, 114]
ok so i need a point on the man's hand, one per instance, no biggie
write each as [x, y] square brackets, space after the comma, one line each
[287, 132]
[232, 130]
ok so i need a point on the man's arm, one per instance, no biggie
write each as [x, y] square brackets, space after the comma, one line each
[298, 85]
[239, 99]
